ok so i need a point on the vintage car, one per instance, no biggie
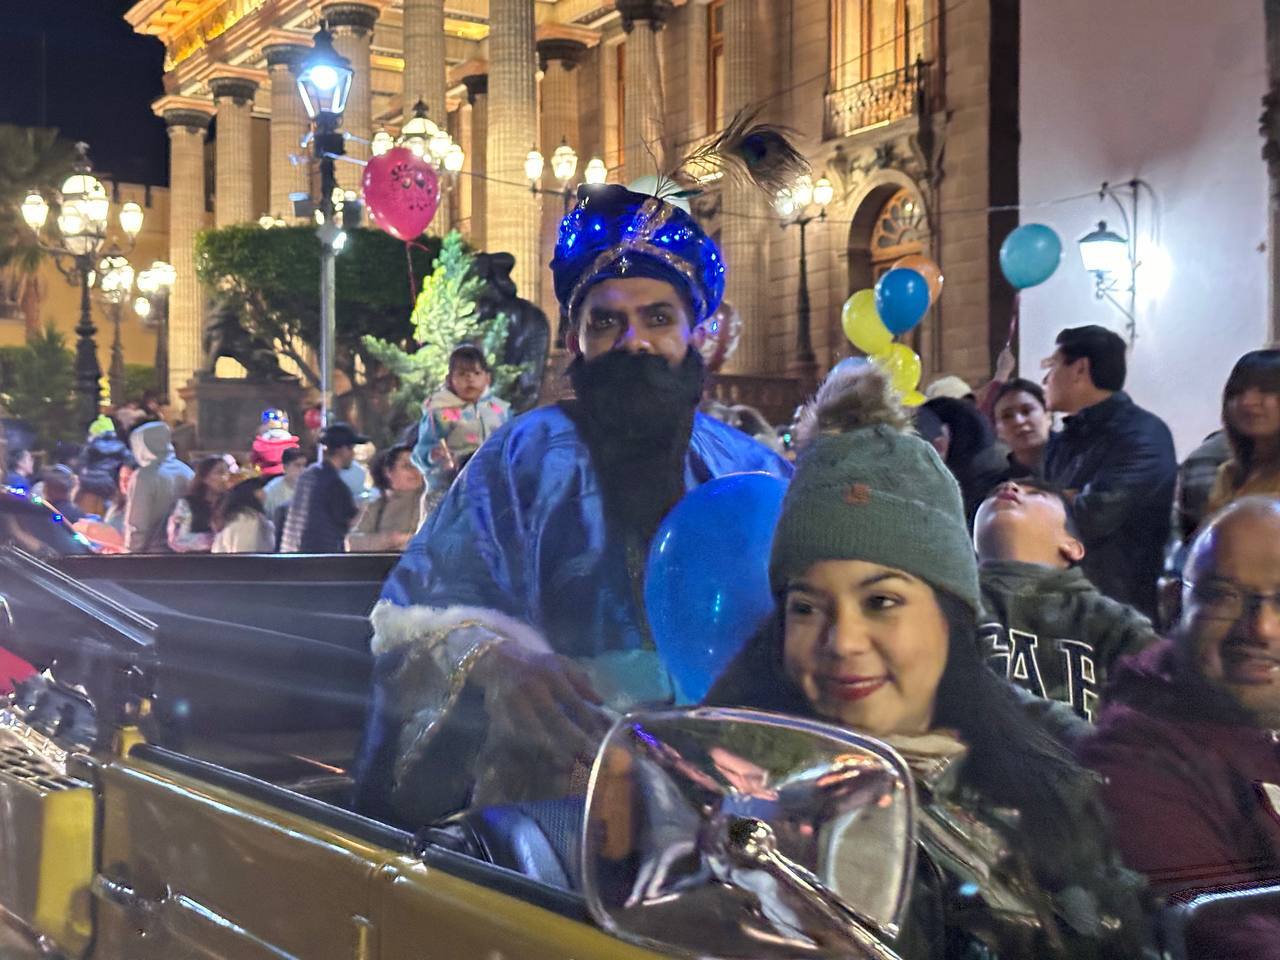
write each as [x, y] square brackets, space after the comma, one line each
[32, 524]
[176, 783]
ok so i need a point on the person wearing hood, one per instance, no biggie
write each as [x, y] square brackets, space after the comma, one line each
[103, 451]
[1044, 626]
[877, 605]
[516, 613]
[1188, 742]
[969, 449]
[160, 481]
[456, 419]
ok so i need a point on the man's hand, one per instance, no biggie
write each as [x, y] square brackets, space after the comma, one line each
[542, 700]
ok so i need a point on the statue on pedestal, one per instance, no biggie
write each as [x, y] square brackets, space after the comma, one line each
[528, 336]
[225, 336]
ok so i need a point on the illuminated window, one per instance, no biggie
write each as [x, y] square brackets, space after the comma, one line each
[621, 83]
[715, 64]
[872, 38]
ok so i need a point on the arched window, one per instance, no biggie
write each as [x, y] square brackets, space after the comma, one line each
[900, 230]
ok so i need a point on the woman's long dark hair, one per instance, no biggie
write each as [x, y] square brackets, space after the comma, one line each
[198, 498]
[242, 498]
[1257, 368]
[1012, 760]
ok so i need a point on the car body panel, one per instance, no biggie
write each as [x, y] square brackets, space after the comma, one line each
[196, 869]
[46, 845]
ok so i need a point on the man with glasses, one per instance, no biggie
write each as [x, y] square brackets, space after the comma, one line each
[1189, 739]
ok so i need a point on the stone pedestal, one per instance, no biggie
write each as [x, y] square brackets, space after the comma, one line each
[225, 414]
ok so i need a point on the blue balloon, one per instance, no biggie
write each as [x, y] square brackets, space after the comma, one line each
[1030, 255]
[902, 299]
[707, 580]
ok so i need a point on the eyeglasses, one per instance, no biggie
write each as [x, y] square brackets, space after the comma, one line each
[1222, 600]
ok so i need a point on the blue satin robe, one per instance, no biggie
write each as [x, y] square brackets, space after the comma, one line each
[522, 531]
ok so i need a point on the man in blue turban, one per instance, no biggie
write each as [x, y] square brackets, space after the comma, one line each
[514, 624]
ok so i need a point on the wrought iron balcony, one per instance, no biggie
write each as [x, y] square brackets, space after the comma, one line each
[902, 93]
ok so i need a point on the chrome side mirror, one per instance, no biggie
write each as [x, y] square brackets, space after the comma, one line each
[738, 834]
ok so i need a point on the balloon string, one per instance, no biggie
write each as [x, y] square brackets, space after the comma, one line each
[408, 258]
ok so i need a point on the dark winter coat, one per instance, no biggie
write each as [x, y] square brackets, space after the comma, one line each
[1120, 460]
[1053, 632]
[105, 453]
[320, 513]
[1185, 773]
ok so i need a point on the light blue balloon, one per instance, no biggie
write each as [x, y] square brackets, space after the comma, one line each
[902, 299]
[1030, 255]
[707, 581]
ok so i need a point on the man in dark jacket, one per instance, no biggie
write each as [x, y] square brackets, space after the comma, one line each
[1189, 739]
[323, 508]
[1116, 463]
[1045, 627]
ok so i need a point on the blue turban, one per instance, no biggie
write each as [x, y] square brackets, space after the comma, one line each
[614, 233]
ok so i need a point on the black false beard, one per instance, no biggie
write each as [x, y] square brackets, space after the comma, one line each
[635, 413]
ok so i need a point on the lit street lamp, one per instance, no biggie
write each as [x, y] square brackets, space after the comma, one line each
[799, 206]
[115, 284]
[82, 218]
[154, 284]
[564, 165]
[324, 82]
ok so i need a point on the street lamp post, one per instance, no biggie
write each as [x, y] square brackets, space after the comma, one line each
[83, 215]
[155, 283]
[799, 206]
[564, 164]
[324, 83]
[115, 283]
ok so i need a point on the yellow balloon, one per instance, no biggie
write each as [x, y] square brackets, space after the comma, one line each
[913, 398]
[902, 364]
[862, 323]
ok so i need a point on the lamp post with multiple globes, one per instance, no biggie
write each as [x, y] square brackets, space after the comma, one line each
[154, 283]
[799, 206]
[82, 218]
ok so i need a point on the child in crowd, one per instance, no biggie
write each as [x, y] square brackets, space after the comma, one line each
[271, 443]
[1044, 625]
[455, 420]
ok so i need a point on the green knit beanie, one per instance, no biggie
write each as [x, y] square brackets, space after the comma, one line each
[866, 490]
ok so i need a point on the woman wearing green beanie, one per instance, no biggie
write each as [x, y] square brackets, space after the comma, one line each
[876, 628]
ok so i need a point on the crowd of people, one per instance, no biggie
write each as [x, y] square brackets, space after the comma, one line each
[127, 490]
[1072, 640]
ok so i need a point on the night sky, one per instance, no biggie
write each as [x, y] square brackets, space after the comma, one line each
[78, 66]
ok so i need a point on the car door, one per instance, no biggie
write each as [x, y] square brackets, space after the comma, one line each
[196, 862]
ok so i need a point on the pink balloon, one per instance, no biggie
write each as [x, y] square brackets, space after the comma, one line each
[401, 192]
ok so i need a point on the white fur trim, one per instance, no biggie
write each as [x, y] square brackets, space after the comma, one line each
[395, 626]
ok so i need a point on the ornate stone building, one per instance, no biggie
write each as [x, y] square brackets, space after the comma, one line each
[908, 106]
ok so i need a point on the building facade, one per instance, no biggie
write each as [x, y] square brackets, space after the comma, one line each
[909, 107]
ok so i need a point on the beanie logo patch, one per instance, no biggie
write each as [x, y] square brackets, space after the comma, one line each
[857, 495]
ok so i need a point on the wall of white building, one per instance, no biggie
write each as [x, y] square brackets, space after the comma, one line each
[1169, 91]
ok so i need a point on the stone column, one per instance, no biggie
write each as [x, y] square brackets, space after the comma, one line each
[512, 208]
[474, 189]
[745, 216]
[352, 28]
[644, 111]
[558, 58]
[187, 125]
[288, 126]
[233, 153]
[424, 63]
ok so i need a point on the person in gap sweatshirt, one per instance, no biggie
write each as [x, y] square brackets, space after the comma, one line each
[1045, 626]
